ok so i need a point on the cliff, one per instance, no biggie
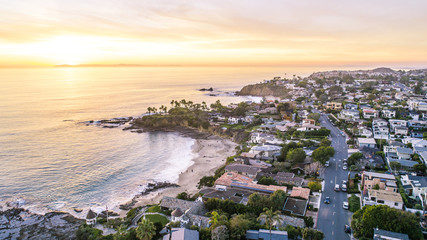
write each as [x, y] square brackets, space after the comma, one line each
[263, 90]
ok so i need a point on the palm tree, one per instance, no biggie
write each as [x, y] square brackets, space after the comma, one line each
[120, 233]
[270, 218]
[149, 109]
[145, 230]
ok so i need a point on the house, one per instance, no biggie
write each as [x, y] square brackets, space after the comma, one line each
[182, 234]
[399, 154]
[233, 194]
[417, 105]
[366, 142]
[364, 132]
[380, 128]
[417, 125]
[266, 151]
[416, 186]
[246, 170]
[235, 180]
[299, 192]
[309, 121]
[308, 127]
[264, 234]
[194, 212]
[394, 123]
[387, 113]
[334, 105]
[387, 235]
[403, 131]
[295, 206]
[383, 197]
[178, 215]
[349, 114]
[288, 178]
[351, 106]
[384, 181]
[91, 217]
[370, 113]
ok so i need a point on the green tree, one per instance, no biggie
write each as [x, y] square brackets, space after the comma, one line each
[217, 219]
[183, 196]
[239, 224]
[277, 199]
[296, 155]
[267, 181]
[220, 233]
[354, 158]
[121, 233]
[419, 87]
[315, 186]
[396, 166]
[325, 142]
[322, 154]
[420, 167]
[353, 203]
[86, 232]
[257, 202]
[270, 217]
[312, 234]
[383, 217]
[207, 181]
[145, 230]
[314, 116]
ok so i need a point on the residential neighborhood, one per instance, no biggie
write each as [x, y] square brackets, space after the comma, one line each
[313, 161]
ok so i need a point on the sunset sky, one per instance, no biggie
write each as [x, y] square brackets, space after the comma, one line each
[240, 33]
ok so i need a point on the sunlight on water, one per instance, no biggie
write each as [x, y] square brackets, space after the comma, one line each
[53, 161]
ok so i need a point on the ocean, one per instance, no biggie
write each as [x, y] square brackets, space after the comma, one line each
[51, 160]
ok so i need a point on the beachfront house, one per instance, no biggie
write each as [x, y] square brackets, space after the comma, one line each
[246, 170]
[231, 180]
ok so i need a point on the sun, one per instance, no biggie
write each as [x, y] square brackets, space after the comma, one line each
[70, 50]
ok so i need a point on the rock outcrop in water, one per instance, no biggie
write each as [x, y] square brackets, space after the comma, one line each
[18, 223]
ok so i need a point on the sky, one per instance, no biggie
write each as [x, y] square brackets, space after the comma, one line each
[214, 32]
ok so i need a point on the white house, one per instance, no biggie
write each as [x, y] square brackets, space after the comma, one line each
[394, 123]
[349, 114]
[366, 142]
[387, 113]
[401, 131]
[308, 127]
[415, 186]
[370, 113]
[384, 197]
[365, 132]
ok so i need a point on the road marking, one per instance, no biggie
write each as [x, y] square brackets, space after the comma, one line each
[333, 222]
[332, 181]
[333, 213]
[334, 204]
[332, 233]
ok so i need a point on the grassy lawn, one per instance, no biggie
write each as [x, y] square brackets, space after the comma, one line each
[155, 208]
[157, 218]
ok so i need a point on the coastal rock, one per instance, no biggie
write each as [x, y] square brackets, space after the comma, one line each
[263, 90]
[206, 89]
[18, 223]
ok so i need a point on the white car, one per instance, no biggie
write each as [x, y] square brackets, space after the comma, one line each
[344, 167]
[345, 205]
[337, 187]
[327, 164]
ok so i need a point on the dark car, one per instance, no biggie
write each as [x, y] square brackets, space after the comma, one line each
[327, 200]
[347, 229]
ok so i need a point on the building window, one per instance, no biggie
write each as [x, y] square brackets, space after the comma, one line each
[396, 204]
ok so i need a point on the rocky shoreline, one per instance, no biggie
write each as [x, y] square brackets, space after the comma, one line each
[18, 223]
[151, 187]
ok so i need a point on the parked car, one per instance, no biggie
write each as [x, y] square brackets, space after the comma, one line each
[337, 187]
[344, 167]
[344, 186]
[327, 164]
[327, 200]
[345, 205]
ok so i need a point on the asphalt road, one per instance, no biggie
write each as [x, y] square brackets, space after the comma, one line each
[332, 217]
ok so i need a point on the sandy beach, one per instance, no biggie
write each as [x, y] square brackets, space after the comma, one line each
[211, 154]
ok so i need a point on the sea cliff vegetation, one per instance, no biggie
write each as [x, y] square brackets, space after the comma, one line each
[263, 90]
[196, 117]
